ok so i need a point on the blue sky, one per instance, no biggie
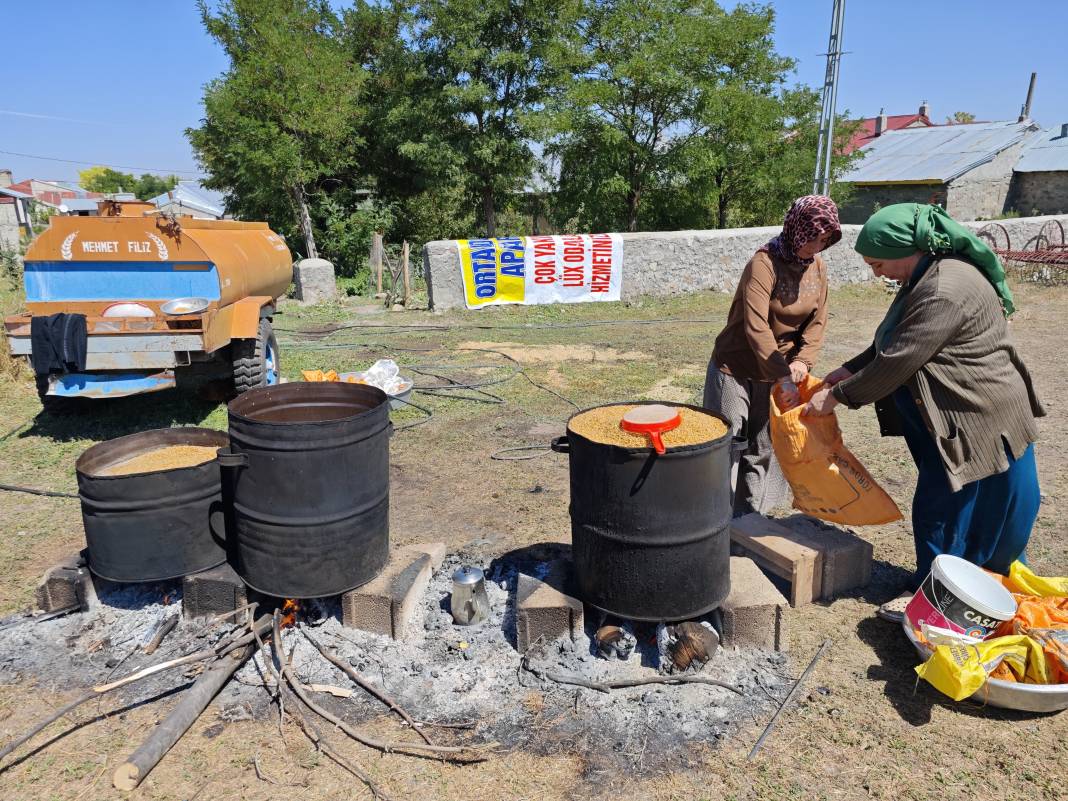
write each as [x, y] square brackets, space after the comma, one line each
[126, 76]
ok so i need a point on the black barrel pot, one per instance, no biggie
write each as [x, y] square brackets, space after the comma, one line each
[307, 479]
[150, 526]
[650, 535]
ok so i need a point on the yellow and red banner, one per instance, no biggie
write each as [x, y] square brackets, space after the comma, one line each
[541, 269]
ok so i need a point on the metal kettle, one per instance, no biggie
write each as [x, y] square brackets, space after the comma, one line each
[469, 603]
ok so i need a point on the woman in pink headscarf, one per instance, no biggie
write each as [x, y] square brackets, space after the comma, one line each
[773, 335]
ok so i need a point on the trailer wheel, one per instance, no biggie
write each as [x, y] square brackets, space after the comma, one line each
[51, 404]
[256, 360]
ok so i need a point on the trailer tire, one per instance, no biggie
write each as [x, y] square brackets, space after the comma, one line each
[256, 360]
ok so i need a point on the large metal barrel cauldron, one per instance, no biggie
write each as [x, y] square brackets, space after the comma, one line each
[308, 487]
[650, 533]
[150, 526]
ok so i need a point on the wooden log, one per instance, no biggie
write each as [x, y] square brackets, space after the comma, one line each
[377, 249]
[165, 627]
[193, 703]
[406, 272]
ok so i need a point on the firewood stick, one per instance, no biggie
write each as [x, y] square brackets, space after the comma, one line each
[309, 730]
[95, 692]
[450, 753]
[608, 686]
[137, 766]
[165, 627]
[405, 251]
[366, 685]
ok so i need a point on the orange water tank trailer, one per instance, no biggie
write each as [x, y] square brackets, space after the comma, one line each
[158, 293]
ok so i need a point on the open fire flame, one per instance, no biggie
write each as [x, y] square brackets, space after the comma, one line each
[289, 613]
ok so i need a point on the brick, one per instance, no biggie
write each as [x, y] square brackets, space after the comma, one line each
[779, 550]
[212, 592]
[64, 585]
[846, 557]
[753, 611]
[544, 608]
[386, 604]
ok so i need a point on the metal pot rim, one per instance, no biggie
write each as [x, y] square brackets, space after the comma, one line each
[382, 400]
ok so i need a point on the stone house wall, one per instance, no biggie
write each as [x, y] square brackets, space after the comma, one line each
[1039, 192]
[982, 193]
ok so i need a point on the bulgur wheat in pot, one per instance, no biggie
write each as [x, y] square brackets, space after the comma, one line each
[169, 458]
[602, 425]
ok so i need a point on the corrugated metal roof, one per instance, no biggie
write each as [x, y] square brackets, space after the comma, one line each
[193, 195]
[934, 155]
[13, 193]
[1048, 152]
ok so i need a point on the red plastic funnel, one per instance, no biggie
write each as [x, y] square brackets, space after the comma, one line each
[653, 419]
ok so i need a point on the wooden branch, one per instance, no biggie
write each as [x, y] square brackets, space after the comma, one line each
[449, 753]
[309, 730]
[608, 686]
[95, 692]
[132, 772]
[165, 627]
[363, 683]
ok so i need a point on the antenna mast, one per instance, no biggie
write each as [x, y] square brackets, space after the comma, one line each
[821, 183]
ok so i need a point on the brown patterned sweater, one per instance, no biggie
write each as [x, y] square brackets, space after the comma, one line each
[778, 316]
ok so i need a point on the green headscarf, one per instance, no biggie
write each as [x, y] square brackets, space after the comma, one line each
[904, 228]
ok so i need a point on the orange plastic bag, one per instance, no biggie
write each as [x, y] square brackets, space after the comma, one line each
[1044, 620]
[827, 480]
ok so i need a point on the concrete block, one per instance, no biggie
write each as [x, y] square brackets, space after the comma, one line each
[753, 611]
[212, 592]
[65, 584]
[780, 551]
[846, 557]
[314, 280]
[545, 610]
[386, 604]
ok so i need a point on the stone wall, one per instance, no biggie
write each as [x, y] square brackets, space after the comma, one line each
[984, 191]
[1041, 192]
[678, 262]
[9, 227]
[868, 199]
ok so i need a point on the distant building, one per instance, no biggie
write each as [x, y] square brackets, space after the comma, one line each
[1040, 177]
[966, 168]
[191, 198]
[15, 217]
[53, 193]
[874, 127]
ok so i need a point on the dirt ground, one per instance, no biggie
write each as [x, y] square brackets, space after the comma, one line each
[864, 728]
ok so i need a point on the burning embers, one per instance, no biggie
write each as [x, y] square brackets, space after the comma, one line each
[680, 647]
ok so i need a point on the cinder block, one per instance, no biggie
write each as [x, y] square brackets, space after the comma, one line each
[753, 611]
[386, 604]
[212, 592]
[846, 557]
[64, 585]
[544, 609]
[780, 551]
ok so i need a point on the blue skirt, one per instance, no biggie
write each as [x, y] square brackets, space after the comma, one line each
[988, 522]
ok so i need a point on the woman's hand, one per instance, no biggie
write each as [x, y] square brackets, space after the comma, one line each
[822, 403]
[798, 372]
[789, 394]
[833, 377]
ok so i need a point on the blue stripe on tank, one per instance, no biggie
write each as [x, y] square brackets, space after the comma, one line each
[120, 280]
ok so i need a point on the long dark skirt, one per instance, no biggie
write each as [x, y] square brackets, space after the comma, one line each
[988, 522]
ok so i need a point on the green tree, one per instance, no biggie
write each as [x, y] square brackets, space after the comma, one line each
[960, 118]
[109, 181]
[484, 69]
[282, 124]
[106, 180]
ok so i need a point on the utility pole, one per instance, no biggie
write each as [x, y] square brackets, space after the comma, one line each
[821, 182]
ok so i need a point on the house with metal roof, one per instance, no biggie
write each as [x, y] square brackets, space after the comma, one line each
[870, 128]
[1040, 177]
[966, 168]
[191, 198]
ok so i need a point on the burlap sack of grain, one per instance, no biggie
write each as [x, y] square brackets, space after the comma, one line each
[828, 481]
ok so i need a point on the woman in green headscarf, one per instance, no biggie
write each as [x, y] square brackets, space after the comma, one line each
[944, 373]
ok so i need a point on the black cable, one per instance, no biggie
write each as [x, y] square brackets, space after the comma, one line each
[32, 491]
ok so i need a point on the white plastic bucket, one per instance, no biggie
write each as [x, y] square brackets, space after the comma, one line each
[961, 597]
